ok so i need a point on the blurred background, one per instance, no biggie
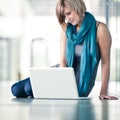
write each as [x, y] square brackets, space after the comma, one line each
[29, 36]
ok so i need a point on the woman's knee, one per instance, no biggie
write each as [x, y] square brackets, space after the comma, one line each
[17, 89]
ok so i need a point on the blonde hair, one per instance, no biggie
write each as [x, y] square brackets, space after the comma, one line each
[75, 5]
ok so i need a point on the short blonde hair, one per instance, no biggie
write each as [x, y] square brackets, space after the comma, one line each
[75, 5]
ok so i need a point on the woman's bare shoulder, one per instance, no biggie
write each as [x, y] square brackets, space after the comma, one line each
[102, 32]
[64, 26]
[101, 26]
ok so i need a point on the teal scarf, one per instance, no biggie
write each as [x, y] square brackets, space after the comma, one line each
[87, 36]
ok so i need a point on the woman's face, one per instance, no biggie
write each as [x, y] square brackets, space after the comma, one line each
[72, 17]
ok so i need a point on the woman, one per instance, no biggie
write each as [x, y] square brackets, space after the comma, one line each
[84, 41]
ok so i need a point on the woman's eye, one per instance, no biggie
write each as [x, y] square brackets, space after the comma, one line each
[68, 13]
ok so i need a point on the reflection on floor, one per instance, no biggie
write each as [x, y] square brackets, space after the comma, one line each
[39, 109]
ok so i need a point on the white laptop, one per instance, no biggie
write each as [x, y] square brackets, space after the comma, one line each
[54, 83]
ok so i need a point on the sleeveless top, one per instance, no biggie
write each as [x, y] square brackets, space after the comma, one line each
[77, 59]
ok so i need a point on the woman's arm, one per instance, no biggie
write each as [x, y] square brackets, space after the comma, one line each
[104, 41]
[63, 62]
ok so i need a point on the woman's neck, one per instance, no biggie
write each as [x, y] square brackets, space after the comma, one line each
[79, 24]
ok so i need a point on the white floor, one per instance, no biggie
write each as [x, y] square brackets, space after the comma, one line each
[44, 109]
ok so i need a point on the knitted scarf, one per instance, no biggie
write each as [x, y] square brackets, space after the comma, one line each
[87, 36]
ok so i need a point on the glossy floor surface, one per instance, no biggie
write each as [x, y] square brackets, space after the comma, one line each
[43, 109]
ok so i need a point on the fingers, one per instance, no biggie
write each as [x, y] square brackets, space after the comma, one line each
[106, 97]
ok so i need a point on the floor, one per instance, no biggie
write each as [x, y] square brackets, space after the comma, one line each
[43, 109]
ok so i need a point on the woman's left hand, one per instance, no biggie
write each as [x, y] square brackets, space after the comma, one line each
[107, 97]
